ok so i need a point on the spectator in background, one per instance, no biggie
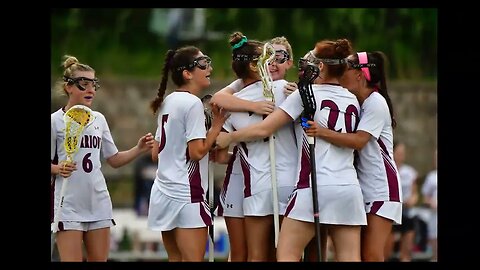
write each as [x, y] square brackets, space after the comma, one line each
[408, 179]
[429, 192]
[144, 174]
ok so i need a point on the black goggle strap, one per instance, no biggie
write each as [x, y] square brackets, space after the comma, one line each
[77, 81]
[244, 57]
[330, 61]
[359, 66]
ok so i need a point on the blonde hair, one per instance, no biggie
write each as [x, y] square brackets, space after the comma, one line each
[283, 41]
[71, 65]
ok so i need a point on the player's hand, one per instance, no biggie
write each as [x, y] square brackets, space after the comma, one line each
[263, 107]
[219, 115]
[289, 88]
[314, 129]
[145, 143]
[65, 168]
[223, 140]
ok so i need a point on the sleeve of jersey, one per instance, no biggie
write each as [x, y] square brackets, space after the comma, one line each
[53, 139]
[195, 121]
[293, 105]
[236, 85]
[108, 145]
[372, 119]
[227, 126]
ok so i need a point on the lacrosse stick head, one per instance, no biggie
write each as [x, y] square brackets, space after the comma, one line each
[207, 110]
[267, 57]
[76, 119]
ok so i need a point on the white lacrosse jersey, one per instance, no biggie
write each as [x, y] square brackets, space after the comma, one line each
[86, 197]
[286, 149]
[180, 120]
[408, 176]
[377, 171]
[236, 85]
[254, 155]
[337, 109]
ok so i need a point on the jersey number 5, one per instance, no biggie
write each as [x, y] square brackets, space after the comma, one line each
[164, 139]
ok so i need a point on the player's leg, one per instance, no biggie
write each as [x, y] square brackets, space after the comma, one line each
[374, 237]
[294, 237]
[170, 244]
[346, 240]
[97, 244]
[192, 243]
[236, 236]
[258, 229]
[69, 245]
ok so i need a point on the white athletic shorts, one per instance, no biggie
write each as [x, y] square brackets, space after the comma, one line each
[386, 209]
[283, 197]
[338, 205]
[85, 226]
[231, 200]
[258, 204]
[165, 214]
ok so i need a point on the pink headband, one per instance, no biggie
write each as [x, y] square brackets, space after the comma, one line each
[363, 59]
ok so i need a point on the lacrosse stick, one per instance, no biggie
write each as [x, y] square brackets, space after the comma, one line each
[76, 119]
[208, 123]
[267, 56]
[310, 73]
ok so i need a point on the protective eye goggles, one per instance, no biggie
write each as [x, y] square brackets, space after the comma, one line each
[304, 63]
[202, 62]
[281, 56]
[327, 61]
[362, 64]
[83, 83]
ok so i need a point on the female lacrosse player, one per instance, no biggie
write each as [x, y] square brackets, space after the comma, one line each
[285, 145]
[178, 206]
[254, 156]
[86, 215]
[340, 198]
[373, 139]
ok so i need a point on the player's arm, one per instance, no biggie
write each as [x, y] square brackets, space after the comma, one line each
[265, 128]
[222, 156]
[225, 99]
[198, 148]
[144, 144]
[356, 140]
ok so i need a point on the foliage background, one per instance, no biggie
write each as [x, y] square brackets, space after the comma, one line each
[124, 42]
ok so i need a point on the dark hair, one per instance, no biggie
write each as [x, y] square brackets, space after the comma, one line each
[244, 52]
[378, 78]
[339, 49]
[182, 57]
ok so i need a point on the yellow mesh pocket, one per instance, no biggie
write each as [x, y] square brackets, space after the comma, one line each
[76, 119]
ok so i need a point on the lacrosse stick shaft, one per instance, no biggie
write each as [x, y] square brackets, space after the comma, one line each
[211, 188]
[316, 216]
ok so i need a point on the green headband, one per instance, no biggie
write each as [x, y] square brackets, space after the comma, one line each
[240, 43]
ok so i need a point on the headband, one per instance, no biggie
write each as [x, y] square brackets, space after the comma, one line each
[363, 59]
